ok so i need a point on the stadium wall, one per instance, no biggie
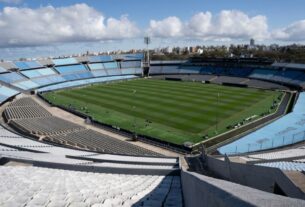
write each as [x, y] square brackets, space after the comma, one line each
[259, 177]
[200, 190]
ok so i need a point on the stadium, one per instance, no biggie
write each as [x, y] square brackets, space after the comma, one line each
[169, 131]
[92, 117]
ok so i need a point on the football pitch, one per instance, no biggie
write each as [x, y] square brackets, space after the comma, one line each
[173, 111]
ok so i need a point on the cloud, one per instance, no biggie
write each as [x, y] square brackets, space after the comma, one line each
[45, 25]
[228, 24]
[169, 27]
[293, 32]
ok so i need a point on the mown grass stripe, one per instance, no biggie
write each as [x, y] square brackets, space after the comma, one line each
[179, 111]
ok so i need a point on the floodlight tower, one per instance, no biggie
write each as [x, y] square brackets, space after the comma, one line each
[146, 63]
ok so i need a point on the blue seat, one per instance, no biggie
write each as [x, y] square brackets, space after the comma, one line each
[71, 69]
[65, 61]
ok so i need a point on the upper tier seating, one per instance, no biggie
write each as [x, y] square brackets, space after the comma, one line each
[26, 84]
[84, 82]
[23, 65]
[25, 112]
[6, 93]
[65, 61]
[38, 72]
[190, 69]
[89, 139]
[82, 59]
[228, 79]
[46, 62]
[7, 65]
[96, 66]
[45, 125]
[47, 80]
[11, 77]
[131, 64]
[71, 69]
[294, 77]
[100, 58]
[111, 65]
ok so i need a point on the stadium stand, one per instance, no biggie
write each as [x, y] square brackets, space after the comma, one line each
[73, 166]
[84, 82]
[135, 56]
[265, 85]
[23, 65]
[32, 74]
[287, 130]
[57, 180]
[82, 59]
[68, 188]
[38, 72]
[11, 77]
[6, 93]
[47, 80]
[25, 85]
[77, 76]
[96, 66]
[95, 141]
[28, 116]
[227, 79]
[7, 65]
[70, 69]
[46, 62]
[131, 64]
[65, 61]
[99, 73]
[101, 58]
[289, 153]
[25, 112]
[289, 166]
[190, 69]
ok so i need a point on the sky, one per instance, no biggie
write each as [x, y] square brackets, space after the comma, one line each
[39, 28]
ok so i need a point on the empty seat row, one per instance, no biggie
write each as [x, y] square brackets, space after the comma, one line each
[46, 125]
[35, 186]
[289, 166]
[36, 120]
[25, 112]
[289, 153]
[26, 101]
[91, 140]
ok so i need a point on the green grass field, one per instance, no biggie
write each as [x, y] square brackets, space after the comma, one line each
[173, 111]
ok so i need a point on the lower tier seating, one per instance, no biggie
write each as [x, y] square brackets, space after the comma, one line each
[35, 120]
[46, 125]
[91, 140]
